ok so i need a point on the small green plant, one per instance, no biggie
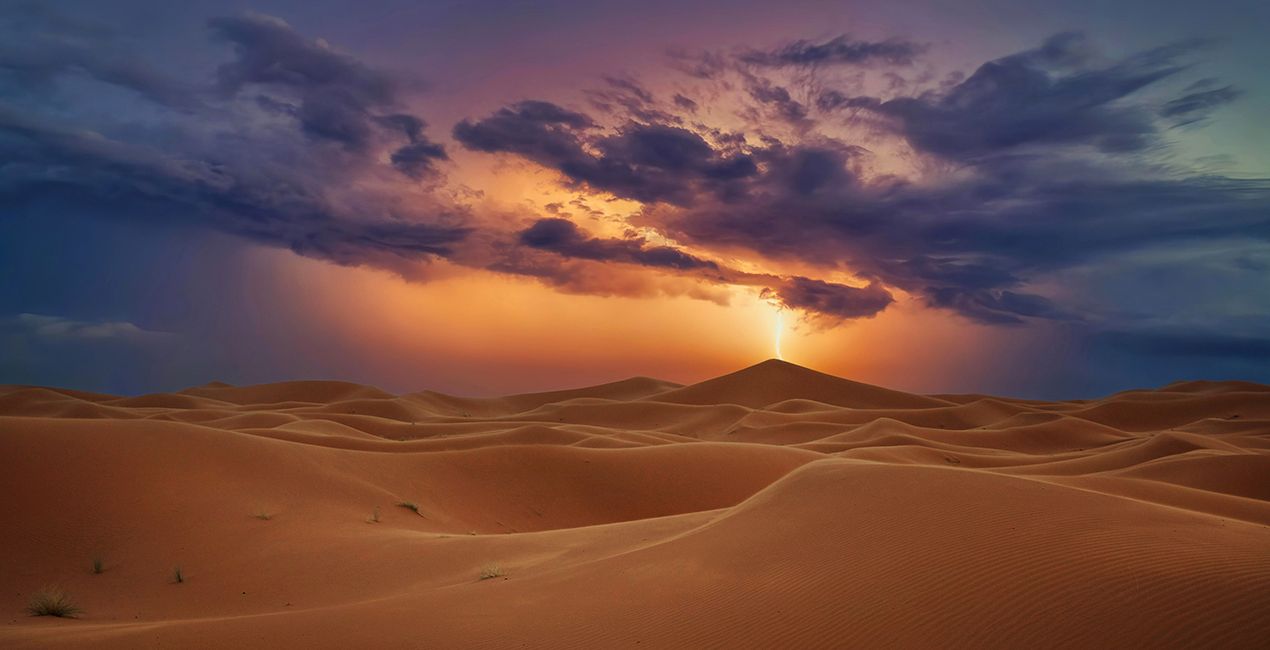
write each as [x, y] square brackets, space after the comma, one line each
[374, 516]
[412, 506]
[491, 572]
[52, 601]
[177, 576]
[99, 565]
[263, 516]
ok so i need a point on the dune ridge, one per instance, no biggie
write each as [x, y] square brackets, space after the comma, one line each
[772, 507]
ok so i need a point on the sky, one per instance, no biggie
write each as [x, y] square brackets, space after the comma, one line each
[1025, 198]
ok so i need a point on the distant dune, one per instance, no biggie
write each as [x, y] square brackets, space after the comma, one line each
[775, 507]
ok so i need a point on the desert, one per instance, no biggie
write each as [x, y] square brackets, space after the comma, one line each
[772, 507]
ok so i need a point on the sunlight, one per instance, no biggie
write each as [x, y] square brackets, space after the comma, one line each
[780, 322]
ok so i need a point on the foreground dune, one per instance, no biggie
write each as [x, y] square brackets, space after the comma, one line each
[773, 507]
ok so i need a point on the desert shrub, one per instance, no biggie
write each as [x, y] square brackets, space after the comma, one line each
[52, 601]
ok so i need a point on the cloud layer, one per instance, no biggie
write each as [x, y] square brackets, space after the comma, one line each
[833, 177]
[1035, 163]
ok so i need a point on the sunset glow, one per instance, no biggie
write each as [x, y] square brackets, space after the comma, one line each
[291, 192]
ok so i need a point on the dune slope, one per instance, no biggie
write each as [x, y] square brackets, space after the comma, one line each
[773, 507]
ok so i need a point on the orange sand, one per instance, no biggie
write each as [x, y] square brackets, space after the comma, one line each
[775, 507]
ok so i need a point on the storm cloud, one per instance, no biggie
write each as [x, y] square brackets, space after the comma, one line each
[221, 165]
[1027, 201]
[564, 237]
[829, 301]
[1050, 96]
[645, 162]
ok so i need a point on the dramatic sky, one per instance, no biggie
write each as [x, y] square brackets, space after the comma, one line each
[1024, 197]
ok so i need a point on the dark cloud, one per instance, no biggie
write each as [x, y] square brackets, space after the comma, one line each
[829, 302]
[995, 307]
[335, 91]
[565, 238]
[841, 50]
[1028, 202]
[540, 131]
[217, 166]
[826, 303]
[806, 170]
[1048, 96]
[269, 51]
[970, 246]
[418, 158]
[1202, 98]
[58, 170]
[646, 162]
[338, 96]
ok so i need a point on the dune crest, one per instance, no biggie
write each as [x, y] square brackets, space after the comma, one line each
[772, 507]
[773, 381]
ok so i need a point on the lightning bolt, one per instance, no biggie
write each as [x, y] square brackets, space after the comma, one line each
[780, 325]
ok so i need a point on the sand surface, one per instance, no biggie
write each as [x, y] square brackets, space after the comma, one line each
[775, 507]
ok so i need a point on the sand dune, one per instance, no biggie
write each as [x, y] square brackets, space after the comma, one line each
[773, 507]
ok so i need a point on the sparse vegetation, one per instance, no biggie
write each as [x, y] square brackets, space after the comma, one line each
[490, 572]
[99, 565]
[374, 516]
[411, 506]
[52, 601]
[177, 575]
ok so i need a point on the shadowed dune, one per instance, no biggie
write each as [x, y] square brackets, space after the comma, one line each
[775, 381]
[772, 507]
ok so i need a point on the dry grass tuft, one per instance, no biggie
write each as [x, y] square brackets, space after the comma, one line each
[51, 601]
